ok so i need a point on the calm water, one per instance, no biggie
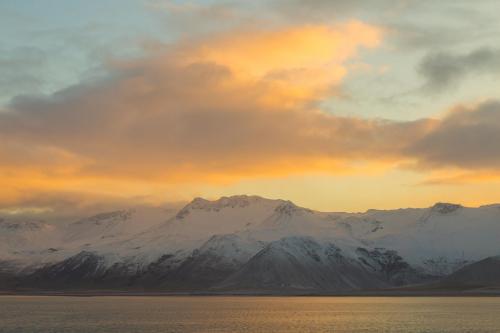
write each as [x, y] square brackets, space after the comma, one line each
[248, 314]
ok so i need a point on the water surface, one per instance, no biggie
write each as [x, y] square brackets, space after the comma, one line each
[123, 314]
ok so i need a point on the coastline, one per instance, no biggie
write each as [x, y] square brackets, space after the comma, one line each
[396, 293]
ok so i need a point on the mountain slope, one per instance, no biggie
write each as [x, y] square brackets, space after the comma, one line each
[212, 262]
[302, 263]
[482, 274]
[247, 242]
[439, 239]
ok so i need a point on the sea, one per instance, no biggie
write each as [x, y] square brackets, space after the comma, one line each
[186, 314]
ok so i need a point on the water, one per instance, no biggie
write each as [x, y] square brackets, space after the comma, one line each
[248, 314]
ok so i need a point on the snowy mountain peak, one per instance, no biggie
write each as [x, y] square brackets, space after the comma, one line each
[288, 208]
[198, 203]
[445, 208]
[237, 201]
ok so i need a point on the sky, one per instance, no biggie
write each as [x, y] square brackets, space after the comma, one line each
[336, 105]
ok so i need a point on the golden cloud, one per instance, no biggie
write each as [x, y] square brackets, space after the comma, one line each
[219, 109]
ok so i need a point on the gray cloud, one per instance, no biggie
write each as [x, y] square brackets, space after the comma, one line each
[328, 9]
[466, 138]
[445, 70]
[412, 24]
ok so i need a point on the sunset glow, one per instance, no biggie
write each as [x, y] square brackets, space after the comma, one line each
[285, 103]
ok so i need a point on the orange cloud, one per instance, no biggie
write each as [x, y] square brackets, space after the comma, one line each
[200, 111]
[300, 62]
[216, 110]
[282, 67]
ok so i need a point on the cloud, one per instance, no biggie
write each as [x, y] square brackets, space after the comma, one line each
[328, 9]
[213, 109]
[220, 109]
[444, 70]
[466, 138]
[412, 24]
[64, 206]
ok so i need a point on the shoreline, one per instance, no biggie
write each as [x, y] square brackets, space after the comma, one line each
[101, 293]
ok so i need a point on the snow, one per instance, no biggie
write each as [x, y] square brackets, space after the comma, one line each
[437, 239]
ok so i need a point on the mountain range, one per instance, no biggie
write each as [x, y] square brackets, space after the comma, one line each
[249, 244]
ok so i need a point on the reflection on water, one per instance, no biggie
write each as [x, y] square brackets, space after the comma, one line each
[248, 314]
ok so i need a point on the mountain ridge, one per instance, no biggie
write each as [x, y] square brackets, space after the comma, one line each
[238, 242]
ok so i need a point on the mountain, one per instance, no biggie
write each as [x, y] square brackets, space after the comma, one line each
[246, 243]
[484, 274]
[302, 263]
[213, 261]
[26, 242]
[439, 239]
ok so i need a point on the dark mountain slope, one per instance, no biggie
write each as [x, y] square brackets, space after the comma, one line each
[302, 264]
[481, 274]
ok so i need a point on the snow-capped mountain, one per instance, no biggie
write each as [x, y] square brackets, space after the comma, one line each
[247, 243]
[303, 263]
[439, 239]
[26, 241]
